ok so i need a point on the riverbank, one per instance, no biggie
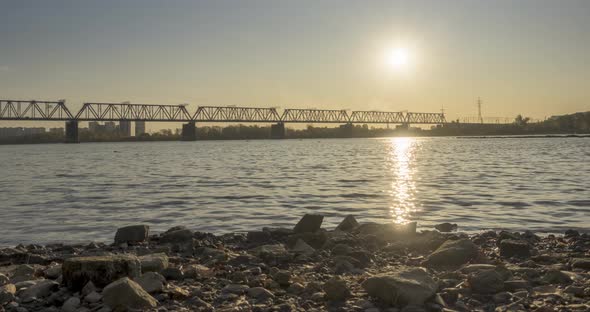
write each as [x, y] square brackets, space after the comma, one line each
[356, 267]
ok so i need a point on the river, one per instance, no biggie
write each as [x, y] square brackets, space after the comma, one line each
[83, 192]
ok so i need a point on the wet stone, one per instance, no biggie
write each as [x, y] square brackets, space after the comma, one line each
[132, 234]
[309, 223]
[515, 248]
[100, 270]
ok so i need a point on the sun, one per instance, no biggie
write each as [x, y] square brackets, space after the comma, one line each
[399, 58]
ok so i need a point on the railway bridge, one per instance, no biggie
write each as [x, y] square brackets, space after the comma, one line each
[32, 110]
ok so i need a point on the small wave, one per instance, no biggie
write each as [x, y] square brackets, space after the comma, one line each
[580, 203]
[360, 195]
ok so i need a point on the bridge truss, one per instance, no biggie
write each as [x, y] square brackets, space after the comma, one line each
[235, 114]
[315, 116]
[34, 110]
[132, 112]
[56, 110]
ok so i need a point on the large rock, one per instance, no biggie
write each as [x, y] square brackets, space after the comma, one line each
[7, 293]
[260, 293]
[309, 223]
[125, 294]
[151, 282]
[581, 263]
[336, 289]
[3, 279]
[41, 289]
[348, 224]
[515, 248]
[132, 234]
[452, 254]
[71, 305]
[446, 227]
[486, 282]
[100, 270]
[403, 287]
[154, 262]
[176, 236]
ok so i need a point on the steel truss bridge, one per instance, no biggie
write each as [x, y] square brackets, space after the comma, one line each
[57, 110]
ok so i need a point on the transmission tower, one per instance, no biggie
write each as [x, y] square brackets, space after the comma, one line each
[479, 117]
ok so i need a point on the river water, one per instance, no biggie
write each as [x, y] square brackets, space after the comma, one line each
[84, 192]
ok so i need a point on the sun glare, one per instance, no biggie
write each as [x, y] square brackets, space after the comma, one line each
[399, 58]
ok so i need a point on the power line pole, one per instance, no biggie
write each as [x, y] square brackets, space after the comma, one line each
[479, 117]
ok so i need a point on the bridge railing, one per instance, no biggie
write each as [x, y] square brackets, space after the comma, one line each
[34, 110]
[235, 114]
[132, 112]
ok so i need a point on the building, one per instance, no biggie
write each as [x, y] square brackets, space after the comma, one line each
[94, 126]
[125, 128]
[139, 128]
[20, 131]
[110, 126]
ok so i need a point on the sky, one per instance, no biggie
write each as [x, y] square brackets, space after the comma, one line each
[529, 57]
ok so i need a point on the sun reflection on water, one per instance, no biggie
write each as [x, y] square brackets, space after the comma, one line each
[403, 186]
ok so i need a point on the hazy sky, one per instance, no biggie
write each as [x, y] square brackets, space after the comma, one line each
[530, 57]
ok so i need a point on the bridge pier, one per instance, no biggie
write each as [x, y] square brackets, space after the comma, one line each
[277, 131]
[189, 131]
[72, 131]
[346, 130]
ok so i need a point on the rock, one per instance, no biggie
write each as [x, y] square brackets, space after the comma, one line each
[260, 293]
[196, 271]
[574, 290]
[405, 286]
[217, 255]
[71, 305]
[581, 263]
[556, 277]
[151, 282]
[336, 289]
[258, 237]
[100, 270]
[452, 254]
[42, 289]
[173, 273]
[270, 253]
[283, 278]
[309, 223]
[3, 279]
[235, 289]
[486, 282]
[132, 234]
[295, 288]
[515, 248]
[7, 294]
[177, 293]
[153, 262]
[514, 285]
[93, 297]
[53, 272]
[446, 227]
[125, 294]
[176, 236]
[348, 224]
[88, 288]
[301, 247]
[23, 272]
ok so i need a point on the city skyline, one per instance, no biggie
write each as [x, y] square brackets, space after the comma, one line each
[526, 57]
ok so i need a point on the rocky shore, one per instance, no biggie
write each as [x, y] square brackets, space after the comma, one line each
[355, 267]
